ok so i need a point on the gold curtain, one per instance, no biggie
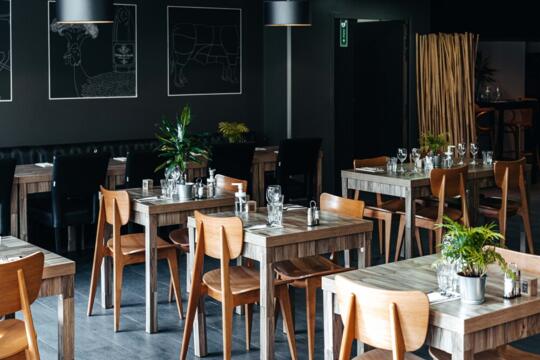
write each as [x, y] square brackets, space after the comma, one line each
[445, 85]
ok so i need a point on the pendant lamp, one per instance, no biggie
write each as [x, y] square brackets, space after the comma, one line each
[84, 11]
[287, 13]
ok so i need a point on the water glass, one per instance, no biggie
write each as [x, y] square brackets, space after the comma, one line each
[273, 192]
[163, 186]
[462, 151]
[391, 165]
[171, 188]
[415, 156]
[275, 211]
[474, 151]
[402, 156]
[487, 157]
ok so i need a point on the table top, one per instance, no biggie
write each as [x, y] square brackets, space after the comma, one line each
[295, 229]
[509, 104]
[417, 274]
[152, 202]
[55, 265]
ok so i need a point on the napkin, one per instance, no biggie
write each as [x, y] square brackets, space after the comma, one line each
[120, 158]
[370, 169]
[151, 198]
[257, 227]
[44, 164]
[435, 297]
[260, 149]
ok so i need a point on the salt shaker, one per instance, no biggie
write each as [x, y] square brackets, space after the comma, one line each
[311, 213]
[199, 189]
[511, 283]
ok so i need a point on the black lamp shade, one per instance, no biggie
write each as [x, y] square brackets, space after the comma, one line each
[84, 11]
[287, 13]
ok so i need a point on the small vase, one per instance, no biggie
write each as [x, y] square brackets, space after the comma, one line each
[472, 289]
[185, 191]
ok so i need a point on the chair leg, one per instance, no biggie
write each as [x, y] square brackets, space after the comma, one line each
[194, 298]
[399, 241]
[528, 230]
[502, 227]
[118, 278]
[311, 300]
[286, 311]
[173, 268]
[249, 321]
[387, 237]
[430, 240]
[381, 236]
[96, 269]
[227, 314]
[418, 240]
[438, 239]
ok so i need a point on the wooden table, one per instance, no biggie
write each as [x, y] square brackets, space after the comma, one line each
[455, 328]
[411, 186]
[270, 245]
[31, 179]
[152, 214]
[58, 280]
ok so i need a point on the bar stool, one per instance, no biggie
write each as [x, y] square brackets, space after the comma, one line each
[484, 118]
[509, 177]
[114, 209]
[445, 184]
[395, 322]
[520, 121]
[222, 238]
[306, 273]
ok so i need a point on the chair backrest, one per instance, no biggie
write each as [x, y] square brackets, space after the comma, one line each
[142, 165]
[31, 268]
[120, 199]
[342, 206]
[389, 320]
[516, 173]
[234, 160]
[371, 162]
[526, 262]
[226, 183]
[7, 171]
[455, 180]
[213, 231]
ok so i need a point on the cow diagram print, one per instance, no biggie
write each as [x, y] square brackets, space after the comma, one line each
[78, 57]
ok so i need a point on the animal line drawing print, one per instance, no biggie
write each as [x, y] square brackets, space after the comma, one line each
[5, 51]
[89, 61]
[204, 51]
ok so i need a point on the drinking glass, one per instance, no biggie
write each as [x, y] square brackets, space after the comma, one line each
[474, 151]
[171, 187]
[487, 157]
[462, 151]
[415, 156]
[443, 278]
[402, 156]
[163, 186]
[272, 193]
[498, 93]
[275, 211]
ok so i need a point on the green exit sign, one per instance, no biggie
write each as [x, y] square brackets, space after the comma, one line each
[344, 33]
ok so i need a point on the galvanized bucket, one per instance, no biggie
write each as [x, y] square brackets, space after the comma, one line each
[472, 289]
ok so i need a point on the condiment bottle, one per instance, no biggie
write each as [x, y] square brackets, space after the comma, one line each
[211, 184]
[240, 200]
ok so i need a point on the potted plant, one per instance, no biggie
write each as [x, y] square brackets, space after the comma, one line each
[178, 148]
[473, 249]
[433, 145]
[233, 131]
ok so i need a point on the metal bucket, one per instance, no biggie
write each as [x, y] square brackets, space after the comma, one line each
[185, 191]
[472, 289]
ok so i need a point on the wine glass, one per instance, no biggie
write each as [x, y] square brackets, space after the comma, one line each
[415, 156]
[272, 193]
[402, 156]
[462, 151]
[474, 151]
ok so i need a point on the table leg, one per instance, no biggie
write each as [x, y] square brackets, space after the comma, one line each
[66, 319]
[107, 276]
[345, 194]
[267, 309]
[499, 135]
[410, 211]
[364, 251]
[15, 211]
[199, 331]
[23, 221]
[150, 236]
[333, 327]
[459, 350]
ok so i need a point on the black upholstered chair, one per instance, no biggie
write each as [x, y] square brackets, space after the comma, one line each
[74, 197]
[142, 165]
[296, 170]
[7, 171]
[233, 160]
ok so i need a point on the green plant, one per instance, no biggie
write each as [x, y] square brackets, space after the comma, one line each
[176, 146]
[472, 247]
[233, 131]
[434, 143]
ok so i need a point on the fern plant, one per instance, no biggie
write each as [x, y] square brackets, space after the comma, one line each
[233, 131]
[433, 143]
[472, 247]
[176, 146]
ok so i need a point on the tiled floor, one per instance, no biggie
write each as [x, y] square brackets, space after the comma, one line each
[95, 338]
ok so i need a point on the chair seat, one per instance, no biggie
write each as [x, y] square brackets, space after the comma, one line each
[12, 338]
[392, 206]
[75, 211]
[503, 353]
[306, 267]
[180, 238]
[378, 354]
[134, 244]
[490, 206]
[430, 213]
[243, 280]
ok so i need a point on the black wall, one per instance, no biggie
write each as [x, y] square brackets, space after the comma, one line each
[313, 83]
[32, 119]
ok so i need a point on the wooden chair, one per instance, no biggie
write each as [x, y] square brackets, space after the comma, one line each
[445, 184]
[394, 322]
[124, 249]
[383, 211]
[180, 237]
[20, 282]
[484, 123]
[223, 238]
[520, 120]
[306, 273]
[527, 263]
[509, 177]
